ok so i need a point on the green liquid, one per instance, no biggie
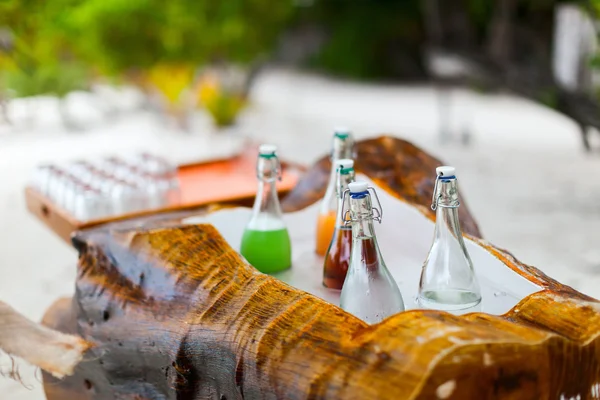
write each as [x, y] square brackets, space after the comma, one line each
[267, 251]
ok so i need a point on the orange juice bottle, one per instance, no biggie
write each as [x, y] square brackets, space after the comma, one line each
[325, 228]
[343, 146]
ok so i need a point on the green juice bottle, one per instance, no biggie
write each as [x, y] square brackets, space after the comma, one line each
[266, 242]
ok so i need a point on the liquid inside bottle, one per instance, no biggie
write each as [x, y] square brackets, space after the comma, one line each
[266, 241]
[369, 292]
[266, 245]
[337, 258]
[325, 229]
[448, 281]
[343, 147]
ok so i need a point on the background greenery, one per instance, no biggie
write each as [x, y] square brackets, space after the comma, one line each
[55, 44]
[54, 47]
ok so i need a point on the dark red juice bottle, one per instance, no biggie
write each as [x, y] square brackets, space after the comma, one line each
[337, 258]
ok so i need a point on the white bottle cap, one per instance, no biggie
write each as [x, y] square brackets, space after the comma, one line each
[445, 171]
[345, 163]
[358, 186]
[267, 149]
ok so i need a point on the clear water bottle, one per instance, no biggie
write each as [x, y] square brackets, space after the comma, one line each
[448, 281]
[369, 292]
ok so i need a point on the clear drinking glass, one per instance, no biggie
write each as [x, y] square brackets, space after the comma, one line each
[90, 204]
[112, 186]
[41, 176]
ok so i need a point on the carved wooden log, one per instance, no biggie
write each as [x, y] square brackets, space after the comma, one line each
[175, 313]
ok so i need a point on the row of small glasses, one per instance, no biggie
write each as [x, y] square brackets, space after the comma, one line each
[109, 187]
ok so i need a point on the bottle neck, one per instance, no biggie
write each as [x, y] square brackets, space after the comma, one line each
[447, 224]
[365, 256]
[267, 200]
[361, 213]
[342, 148]
[343, 180]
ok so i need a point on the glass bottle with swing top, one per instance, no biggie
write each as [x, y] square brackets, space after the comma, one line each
[369, 292]
[342, 148]
[337, 258]
[448, 281]
[266, 242]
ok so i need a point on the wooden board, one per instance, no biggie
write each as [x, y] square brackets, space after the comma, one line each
[231, 181]
[175, 313]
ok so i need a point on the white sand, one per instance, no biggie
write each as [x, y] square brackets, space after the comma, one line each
[525, 175]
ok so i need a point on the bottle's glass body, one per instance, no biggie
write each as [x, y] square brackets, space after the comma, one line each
[337, 258]
[266, 241]
[343, 146]
[325, 228]
[369, 292]
[448, 281]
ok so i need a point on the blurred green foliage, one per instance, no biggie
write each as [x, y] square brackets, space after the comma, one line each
[57, 45]
[53, 78]
[35, 57]
[366, 37]
[118, 35]
[480, 13]
[595, 9]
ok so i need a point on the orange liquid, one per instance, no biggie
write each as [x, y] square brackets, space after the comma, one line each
[337, 259]
[325, 228]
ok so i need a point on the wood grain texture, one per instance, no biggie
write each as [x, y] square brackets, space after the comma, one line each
[402, 168]
[50, 350]
[175, 313]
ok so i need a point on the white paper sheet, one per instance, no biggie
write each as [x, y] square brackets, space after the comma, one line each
[404, 237]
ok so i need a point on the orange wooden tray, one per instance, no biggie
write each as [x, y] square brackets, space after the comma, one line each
[232, 180]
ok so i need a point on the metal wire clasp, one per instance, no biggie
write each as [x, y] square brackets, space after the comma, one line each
[347, 216]
[434, 200]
